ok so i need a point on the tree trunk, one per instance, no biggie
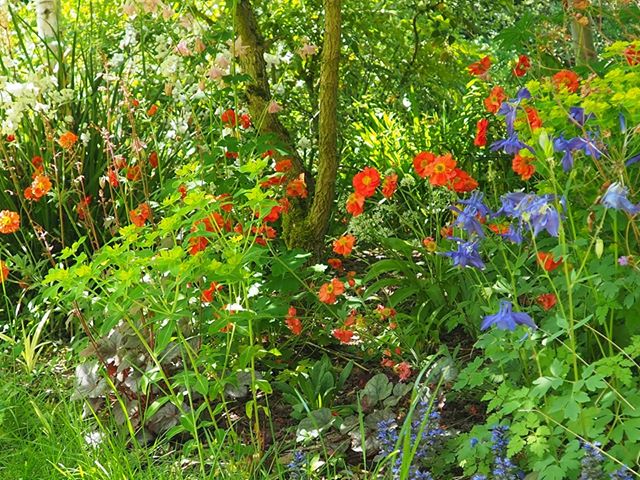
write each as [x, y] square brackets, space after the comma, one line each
[47, 19]
[306, 223]
[581, 32]
[320, 212]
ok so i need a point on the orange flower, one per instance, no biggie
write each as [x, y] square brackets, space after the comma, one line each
[273, 215]
[499, 229]
[4, 271]
[9, 221]
[462, 182]
[343, 335]
[295, 325]
[344, 245]
[134, 173]
[430, 244]
[446, 231]
[82, 208]
[297, 187]
[67, 140]
[207, 295]
[183, 190]
[522, 66]
[293, 322]
[366, 182]
[632, 55]
[228, 118]
[351, 278]
[495, 99]
[480, 67]
[422, 161]
[245, 120]
[521, 165]
[355, 204]
[153, 109]
[403, 370]
[547, 300]
[153, 159]
[481, 132]
[197, 244]
[330, 291]
[389, 185]
[140, 215]
[566, 79]
[283, 165]
[336, 264]
[533, 119]
[39, 188]
[114, 181]
[441, 170]
[546, 261]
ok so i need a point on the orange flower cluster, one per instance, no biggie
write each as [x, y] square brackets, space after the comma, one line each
[67, 140]
[522, 66]
[442, 172]
[293, 322]
[480, 67]
[9, 221]
[140, 215]
[566, 79]
[343, 334]
[365, 184]
[38, 189]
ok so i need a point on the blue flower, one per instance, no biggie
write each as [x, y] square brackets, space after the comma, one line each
[591, 463]
[542, 215]
[576, 115]
[561, 144]
[466, 255]
[623, 473]
[514, 235]
[468, 217]
[506, 318]
[632, 160]
[616, 197]
[623, 123]
[510, 145]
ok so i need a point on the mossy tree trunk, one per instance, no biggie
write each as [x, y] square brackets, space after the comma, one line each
[581, 31]
[306, 223]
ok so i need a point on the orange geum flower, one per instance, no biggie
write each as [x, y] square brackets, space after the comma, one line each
[297, 187]
[140, 215]
[421, 161]
[9, 221]
[343, 335]
[522, 166]
[495, 99]
[546, 261]
[40, 186]
[355, 204]
[441, 170]
[566, 79]
[329, 292]
[336, 264]
[344, 245]
[366, 182]
[389, 185]
[67, 140]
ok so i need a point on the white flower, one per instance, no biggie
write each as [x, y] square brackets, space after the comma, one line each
[272, 60]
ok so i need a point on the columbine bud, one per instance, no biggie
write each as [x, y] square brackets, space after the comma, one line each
[599, 247]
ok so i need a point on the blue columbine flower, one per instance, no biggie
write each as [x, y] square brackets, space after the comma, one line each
[466, 255]
[591, 463]
[562, 145]
[623, 123]
[623, 473]
[577, 116]
[542, 215]
[632, 160]
[616, 197]
[506, 318]
[468, 217]
[510, 145]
